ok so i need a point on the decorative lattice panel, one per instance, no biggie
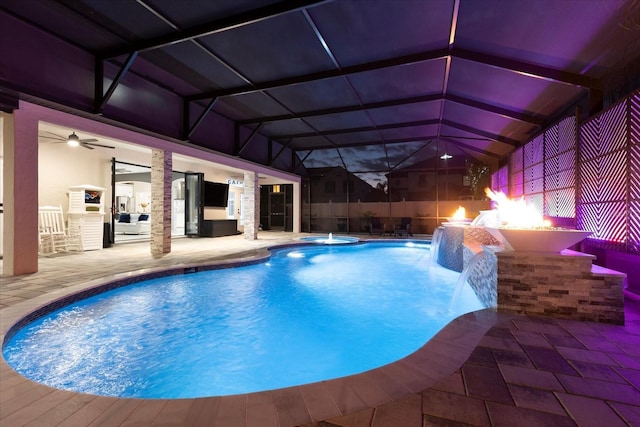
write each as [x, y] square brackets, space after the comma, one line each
[496, 180]
[516, 161]
[504, 179]
[604, 161]
[534, 186]
[551, 166]
[613, 129]
[567, 161]
[516, 185]
[567, 134]
[604, 174]
[560, 169]
[563, 162]
[560, 203]
[634, 174]
[558, 180]
[536, 200]
[533, 151]
[607, 220]
[500, 180]
[604, 178]
[551, 147]
[590, 140]
[533, 173]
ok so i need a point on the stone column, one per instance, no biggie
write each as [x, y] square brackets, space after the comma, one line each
[161, 175]
[251, 204]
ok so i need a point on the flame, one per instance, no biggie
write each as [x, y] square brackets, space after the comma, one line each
[459, 214]
[516, 213]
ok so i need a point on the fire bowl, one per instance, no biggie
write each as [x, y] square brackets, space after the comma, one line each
[537, 239]
[457, 222]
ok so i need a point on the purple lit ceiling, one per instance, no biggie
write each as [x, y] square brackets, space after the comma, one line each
[365, 79]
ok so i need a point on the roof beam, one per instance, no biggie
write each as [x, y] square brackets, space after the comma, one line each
[374, 142]
[102, 99]
[413, 153]
[471, 148]
[404, 140]
[246, 142]
[535, 71]
[360, 129]
[345, 109]
[189, 130]
[527, 68]
[484, 134]
[8, 101]
[487, 135]
[225, 24]
[512, 114]
[345, 71]
[517, 66]
[284, 147]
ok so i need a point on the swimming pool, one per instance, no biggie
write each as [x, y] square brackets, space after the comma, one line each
[323, 312]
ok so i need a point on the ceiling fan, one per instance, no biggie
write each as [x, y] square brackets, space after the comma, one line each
[74, 141]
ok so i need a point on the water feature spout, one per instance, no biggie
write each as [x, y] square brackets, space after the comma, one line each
[435, 245]
[330, 240]
[473, 263]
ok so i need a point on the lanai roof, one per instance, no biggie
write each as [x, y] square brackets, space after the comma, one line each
[371, 85]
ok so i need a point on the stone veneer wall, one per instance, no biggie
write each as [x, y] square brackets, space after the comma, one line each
[251, 203]
[563, 285]
[161, 175]
[559, 285]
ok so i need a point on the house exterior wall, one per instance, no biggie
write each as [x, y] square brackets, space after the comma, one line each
[20, 175]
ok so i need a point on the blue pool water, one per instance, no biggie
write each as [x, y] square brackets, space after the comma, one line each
[310, 313]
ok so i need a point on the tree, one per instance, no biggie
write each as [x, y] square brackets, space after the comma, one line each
[382, 186]
[479, 179]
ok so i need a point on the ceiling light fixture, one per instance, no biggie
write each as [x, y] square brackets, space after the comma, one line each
[73, 140]
[446, 156]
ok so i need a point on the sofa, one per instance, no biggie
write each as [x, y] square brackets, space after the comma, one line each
[133, 223]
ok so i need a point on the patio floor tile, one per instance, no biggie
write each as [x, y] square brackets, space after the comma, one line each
[590, 412]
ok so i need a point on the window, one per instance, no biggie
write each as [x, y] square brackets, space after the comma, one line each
[349, 184]
[330, 187]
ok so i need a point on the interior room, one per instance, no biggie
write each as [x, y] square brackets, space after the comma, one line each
[98, 160]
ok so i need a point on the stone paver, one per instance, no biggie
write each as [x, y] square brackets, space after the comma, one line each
[523, 371]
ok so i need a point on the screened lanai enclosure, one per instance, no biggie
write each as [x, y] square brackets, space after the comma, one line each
[426, 187]
[387, 109]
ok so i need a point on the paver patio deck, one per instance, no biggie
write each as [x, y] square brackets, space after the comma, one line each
[484, 369]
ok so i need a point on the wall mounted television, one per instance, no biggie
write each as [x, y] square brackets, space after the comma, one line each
[216, 194]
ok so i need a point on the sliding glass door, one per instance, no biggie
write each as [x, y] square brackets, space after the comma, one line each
[193, 210]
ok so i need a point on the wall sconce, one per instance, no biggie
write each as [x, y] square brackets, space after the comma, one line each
[446, 156]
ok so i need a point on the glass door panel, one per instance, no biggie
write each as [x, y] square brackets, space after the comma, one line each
[193, 211]
[277, 211]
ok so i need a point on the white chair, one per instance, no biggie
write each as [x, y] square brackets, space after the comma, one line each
[54, 236]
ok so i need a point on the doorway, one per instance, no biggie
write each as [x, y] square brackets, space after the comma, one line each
[277, 214]
[276, 207]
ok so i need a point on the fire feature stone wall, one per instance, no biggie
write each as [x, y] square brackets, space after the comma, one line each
[563, 285]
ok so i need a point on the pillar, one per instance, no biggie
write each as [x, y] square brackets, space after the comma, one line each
[251, 204]
[20, 182]
[161, 176]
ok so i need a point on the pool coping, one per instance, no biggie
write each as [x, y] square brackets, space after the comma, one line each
[433, 362]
